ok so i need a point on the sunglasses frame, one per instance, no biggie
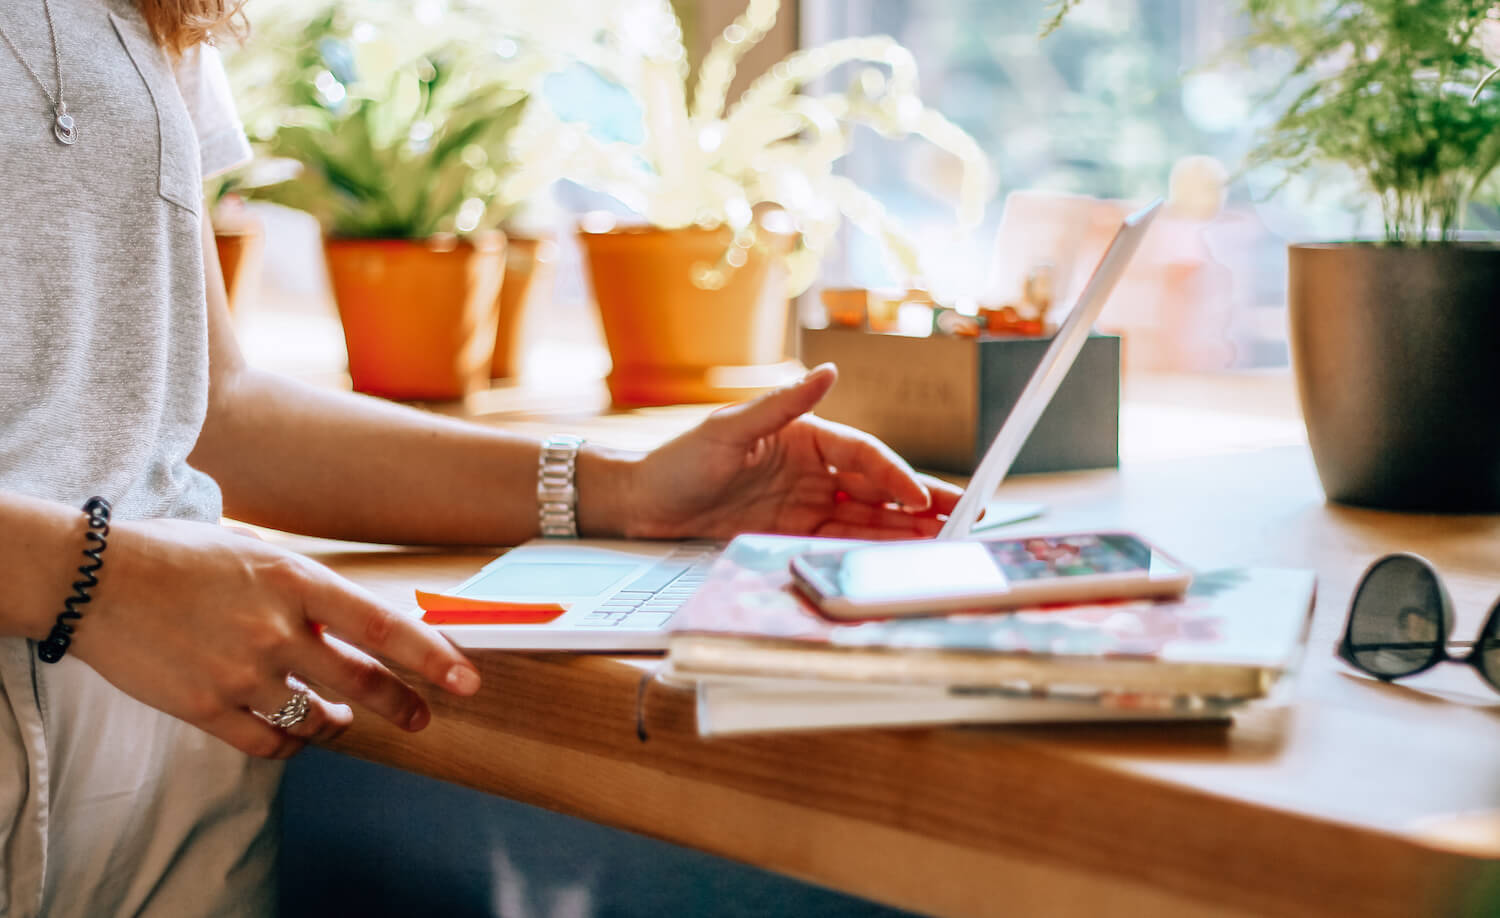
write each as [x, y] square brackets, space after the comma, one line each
[1475, 657]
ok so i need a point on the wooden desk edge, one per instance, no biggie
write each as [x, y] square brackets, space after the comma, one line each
[895, 816]
[1017, 818]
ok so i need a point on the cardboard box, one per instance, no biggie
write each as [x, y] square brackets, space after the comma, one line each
[939, 401]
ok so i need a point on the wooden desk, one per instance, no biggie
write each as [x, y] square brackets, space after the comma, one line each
[1356, 798]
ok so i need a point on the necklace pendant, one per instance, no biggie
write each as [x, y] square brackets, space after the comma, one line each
[65, 129]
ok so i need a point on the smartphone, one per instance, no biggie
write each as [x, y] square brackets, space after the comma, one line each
[927, 577]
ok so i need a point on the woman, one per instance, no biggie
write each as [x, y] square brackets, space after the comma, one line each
[137, 771]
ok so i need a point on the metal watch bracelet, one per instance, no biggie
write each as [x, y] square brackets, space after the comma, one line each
[557, 488]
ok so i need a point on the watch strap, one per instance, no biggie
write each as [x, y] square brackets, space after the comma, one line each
[557, 486]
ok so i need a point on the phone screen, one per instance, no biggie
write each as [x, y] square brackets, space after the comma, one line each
[1071, 556]
[915, 570]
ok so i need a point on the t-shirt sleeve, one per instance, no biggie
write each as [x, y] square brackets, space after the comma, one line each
[205, 90]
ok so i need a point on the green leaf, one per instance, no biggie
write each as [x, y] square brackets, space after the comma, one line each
[387, 159]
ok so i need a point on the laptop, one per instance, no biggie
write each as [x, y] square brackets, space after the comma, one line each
[620, 595]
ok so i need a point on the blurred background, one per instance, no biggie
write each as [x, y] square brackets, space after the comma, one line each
[389, 107]
[1075, 127]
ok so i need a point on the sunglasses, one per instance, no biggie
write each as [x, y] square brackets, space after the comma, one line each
[1401, 624]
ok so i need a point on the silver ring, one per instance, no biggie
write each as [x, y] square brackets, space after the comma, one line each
[293, 712]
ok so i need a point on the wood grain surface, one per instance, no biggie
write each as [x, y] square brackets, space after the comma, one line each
[1352, 797]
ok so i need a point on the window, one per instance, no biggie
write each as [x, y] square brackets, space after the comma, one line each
[1105, 107]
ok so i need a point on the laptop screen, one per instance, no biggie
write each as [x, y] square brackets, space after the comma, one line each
[1049, 374]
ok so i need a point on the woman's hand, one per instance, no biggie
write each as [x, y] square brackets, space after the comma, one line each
[208, 625]
[767, 466]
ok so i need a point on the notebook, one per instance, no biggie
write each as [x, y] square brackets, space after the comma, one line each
[621, 595]
[729, 706]
[1229, 639]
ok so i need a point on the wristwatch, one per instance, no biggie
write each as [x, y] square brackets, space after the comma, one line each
[557, 488]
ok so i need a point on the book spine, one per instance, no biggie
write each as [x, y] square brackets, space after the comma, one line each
[728, 709]
[703, 656]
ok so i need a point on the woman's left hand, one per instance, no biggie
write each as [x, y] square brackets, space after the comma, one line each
[768, 466]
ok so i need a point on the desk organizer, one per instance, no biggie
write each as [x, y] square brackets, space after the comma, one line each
[939, 401]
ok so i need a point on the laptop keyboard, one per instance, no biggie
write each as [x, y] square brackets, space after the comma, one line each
[647, 602]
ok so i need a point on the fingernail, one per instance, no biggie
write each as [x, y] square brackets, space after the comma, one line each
[418, 718]
[462, 680]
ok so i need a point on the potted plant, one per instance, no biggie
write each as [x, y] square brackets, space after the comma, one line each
[530, 263]
[739, 201]
[401, 148]
[239, 234]
[1393, 341]
[262, 78]
[239, 238]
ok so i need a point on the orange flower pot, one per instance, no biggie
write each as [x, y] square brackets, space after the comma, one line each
[529, 266]
[240, 250]
[672, 341]
[419, 316]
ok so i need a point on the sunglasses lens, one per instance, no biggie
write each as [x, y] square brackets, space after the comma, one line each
[1487, 651]
[1398, 621]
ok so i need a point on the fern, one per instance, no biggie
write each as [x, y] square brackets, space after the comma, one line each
[1384, 88]
[1387, 93]
[1058, 11]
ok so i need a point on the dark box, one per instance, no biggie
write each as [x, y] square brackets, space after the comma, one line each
[939, 401]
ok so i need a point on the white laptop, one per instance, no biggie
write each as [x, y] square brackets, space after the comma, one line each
[620, 595]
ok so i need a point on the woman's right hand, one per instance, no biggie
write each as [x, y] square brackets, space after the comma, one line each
[207, 625]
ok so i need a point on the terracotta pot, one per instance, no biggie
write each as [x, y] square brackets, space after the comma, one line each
[419, 316]
[1397, 368]
[241, 248]
[529, 265]
[672, 341]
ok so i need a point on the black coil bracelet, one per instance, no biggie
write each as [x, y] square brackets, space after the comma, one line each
[56, 645]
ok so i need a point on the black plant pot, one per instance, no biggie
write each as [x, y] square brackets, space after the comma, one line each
[1397, 356]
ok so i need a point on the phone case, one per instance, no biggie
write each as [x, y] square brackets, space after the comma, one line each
[1018, 593]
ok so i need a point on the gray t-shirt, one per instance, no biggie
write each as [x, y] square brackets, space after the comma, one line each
[108, 806]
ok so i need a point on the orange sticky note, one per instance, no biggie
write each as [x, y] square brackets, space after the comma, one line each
[442, 609]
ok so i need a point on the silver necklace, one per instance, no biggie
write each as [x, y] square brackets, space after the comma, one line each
[62, 123]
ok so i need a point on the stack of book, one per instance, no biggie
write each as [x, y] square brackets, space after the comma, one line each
[761, 658]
